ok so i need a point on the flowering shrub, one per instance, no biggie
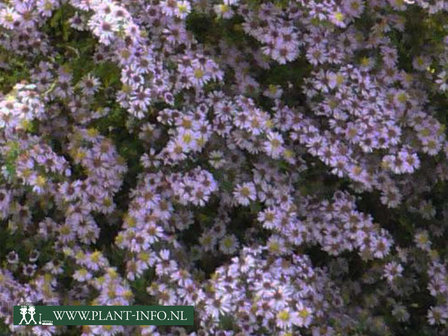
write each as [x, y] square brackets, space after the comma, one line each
[279, 165]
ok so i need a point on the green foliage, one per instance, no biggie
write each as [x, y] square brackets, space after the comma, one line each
[12, 72]
[11, 157]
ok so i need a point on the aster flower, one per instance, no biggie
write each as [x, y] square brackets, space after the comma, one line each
[29, 270]
[422, 240]
[244, 193]
[224, 11]
[437, 315]
[8, 16]
[104, 28]
[392, 270]
[274, 144]
[82, 275]
[89, 85]
[228, 244]
[12, 257]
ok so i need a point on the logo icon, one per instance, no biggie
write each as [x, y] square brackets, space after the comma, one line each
[30, 311]
[27, 310]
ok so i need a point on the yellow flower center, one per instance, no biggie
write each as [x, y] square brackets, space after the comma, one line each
[275, 143]
[228, 242]
[304, 313]
[339, 16]
[224, 8]
[245, 191]
[198, 73]
[283, 315]
[187, 138]
[40, 181]
[182, 8]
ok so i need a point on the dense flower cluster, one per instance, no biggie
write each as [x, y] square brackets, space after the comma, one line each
[279, 165]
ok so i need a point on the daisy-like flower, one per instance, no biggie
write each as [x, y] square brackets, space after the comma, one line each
[154, 233]
[422, 240]
[245, 193]
[34, 255]
[8, 16]
[224, 11]
[353, 7]
[284, 53]
[228, 244]
[82, 275]
[437, 315]
[89, 85]
[77, 22]
[392, 270]
[304, 315]
[338, 18]
[421, 63]
[381, 247]
[104, 27]
[142, 98]
[273, 91]
[269, 218]
[216, 159]
[286, 318]
[29, 270]
[400, 313]
[198, 76]
[183, 9]
[207, 240]
[274, 145]
[164, 263]
[169, 7]
[12, 257]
